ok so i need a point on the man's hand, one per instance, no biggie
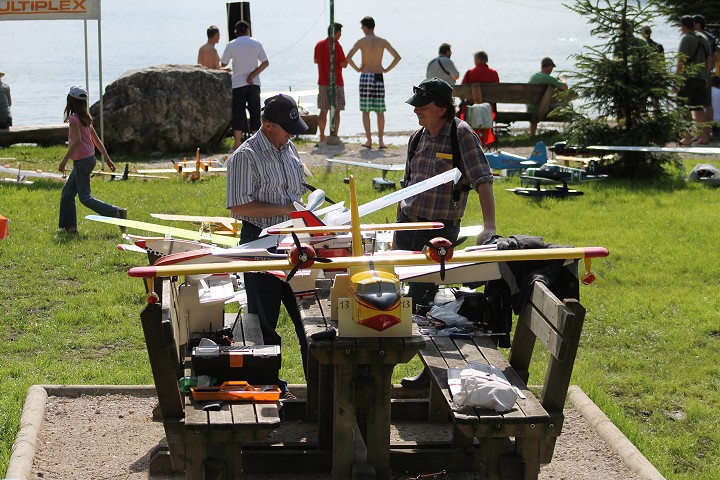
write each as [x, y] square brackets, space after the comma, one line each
[485, 235]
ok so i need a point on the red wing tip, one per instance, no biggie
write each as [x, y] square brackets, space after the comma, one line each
[142, 272]
[592, 252]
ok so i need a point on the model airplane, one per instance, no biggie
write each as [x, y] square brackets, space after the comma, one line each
[367, 301]
[509, 161]
[21, 175]
[563, 149]
[190, 170]
[560, 173]
[126, 174]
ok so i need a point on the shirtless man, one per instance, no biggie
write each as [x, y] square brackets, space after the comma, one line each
[207, 55]
[372, 86]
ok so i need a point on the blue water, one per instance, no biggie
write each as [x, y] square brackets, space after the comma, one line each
[43, 58]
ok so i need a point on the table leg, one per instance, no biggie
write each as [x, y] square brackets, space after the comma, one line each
[378, 421]
[344, 422]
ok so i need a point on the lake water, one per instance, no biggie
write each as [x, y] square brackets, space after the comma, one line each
[43, 58]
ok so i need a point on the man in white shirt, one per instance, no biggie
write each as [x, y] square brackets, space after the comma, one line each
[249, 60]
[442, 67]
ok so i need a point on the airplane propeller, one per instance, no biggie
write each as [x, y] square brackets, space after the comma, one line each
[302, 255]
[440, 249]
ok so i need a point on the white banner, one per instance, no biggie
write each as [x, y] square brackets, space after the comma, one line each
[49, 9]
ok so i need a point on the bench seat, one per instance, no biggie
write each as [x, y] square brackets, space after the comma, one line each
[512, 444]
[203, 444]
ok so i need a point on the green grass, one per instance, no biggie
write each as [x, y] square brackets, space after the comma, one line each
[650, 350]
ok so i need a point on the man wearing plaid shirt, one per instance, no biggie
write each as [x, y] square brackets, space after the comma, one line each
[435, 110]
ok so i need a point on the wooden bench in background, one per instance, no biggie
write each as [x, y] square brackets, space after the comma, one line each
[203, 444]
[513, 93]
[40, 134]
[516, 443]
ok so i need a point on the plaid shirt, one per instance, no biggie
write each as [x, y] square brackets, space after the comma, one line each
[437, 204]
[258, 171]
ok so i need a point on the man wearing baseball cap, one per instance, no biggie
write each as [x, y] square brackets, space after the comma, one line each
[264, 178]
[443, 143]
[544, 77]
[5, 103]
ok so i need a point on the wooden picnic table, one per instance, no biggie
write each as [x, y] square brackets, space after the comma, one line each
[349, 383]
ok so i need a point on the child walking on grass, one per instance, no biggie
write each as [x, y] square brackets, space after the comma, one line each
[82, 140]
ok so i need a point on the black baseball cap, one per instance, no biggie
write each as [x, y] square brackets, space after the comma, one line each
[431, 89]
[282, 109]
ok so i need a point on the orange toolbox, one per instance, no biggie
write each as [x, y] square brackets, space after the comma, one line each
[236, 391]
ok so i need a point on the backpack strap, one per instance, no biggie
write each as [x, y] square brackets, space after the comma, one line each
[457, 161]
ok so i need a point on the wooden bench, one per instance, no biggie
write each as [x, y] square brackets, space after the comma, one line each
[40, 134]
[516, 443]
[204, 444]
[513, 93]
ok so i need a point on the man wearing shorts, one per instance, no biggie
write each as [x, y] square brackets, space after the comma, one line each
[694, 63]
[322, 58]
[372, 85]
[249, 60]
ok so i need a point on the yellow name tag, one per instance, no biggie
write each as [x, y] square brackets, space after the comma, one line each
[446, 156]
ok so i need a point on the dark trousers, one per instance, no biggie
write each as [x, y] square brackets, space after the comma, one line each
[246, 98]
[422, 293]
[264, 294]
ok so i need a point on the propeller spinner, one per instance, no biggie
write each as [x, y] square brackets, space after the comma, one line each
[302, 255]
[440, 249]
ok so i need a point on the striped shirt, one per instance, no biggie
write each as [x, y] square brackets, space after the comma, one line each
[257, 171]
[437, 203]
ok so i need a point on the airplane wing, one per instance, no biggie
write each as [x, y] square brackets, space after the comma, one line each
[229, 223]
[32, 173]
[386, 260]
[157, 170]
[121, 174]
[371, 227]
[164, 229]
[390, 167]
[688, 150]
[398, 195]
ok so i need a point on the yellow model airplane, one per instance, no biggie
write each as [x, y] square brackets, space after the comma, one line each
[190, 170]
[367, 301]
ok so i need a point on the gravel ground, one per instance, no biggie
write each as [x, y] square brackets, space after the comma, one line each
[112, 437]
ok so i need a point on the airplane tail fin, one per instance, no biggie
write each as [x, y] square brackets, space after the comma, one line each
[305, 218]
[126, 172]
[357, 245]
[539, 153]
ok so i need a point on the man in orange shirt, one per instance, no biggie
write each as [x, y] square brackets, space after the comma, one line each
[322, 58]
[482, 73]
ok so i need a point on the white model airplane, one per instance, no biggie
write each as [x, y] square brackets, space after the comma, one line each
[22, 175]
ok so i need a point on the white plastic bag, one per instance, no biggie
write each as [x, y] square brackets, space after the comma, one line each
[482, 386]
[448, 314]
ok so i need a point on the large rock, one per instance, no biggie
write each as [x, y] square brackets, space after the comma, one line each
[165, 108]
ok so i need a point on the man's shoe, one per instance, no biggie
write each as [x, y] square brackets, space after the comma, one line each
[421, 380]
[122, 213]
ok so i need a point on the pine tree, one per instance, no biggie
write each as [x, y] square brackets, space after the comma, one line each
[624, 88]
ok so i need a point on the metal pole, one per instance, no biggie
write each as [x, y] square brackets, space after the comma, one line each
[100, 80]
[87, 74]
[332, 138]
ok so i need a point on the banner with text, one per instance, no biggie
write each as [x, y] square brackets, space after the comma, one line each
[49, 9]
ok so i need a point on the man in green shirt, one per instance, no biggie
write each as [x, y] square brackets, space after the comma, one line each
[5, 103]
[543, 77]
